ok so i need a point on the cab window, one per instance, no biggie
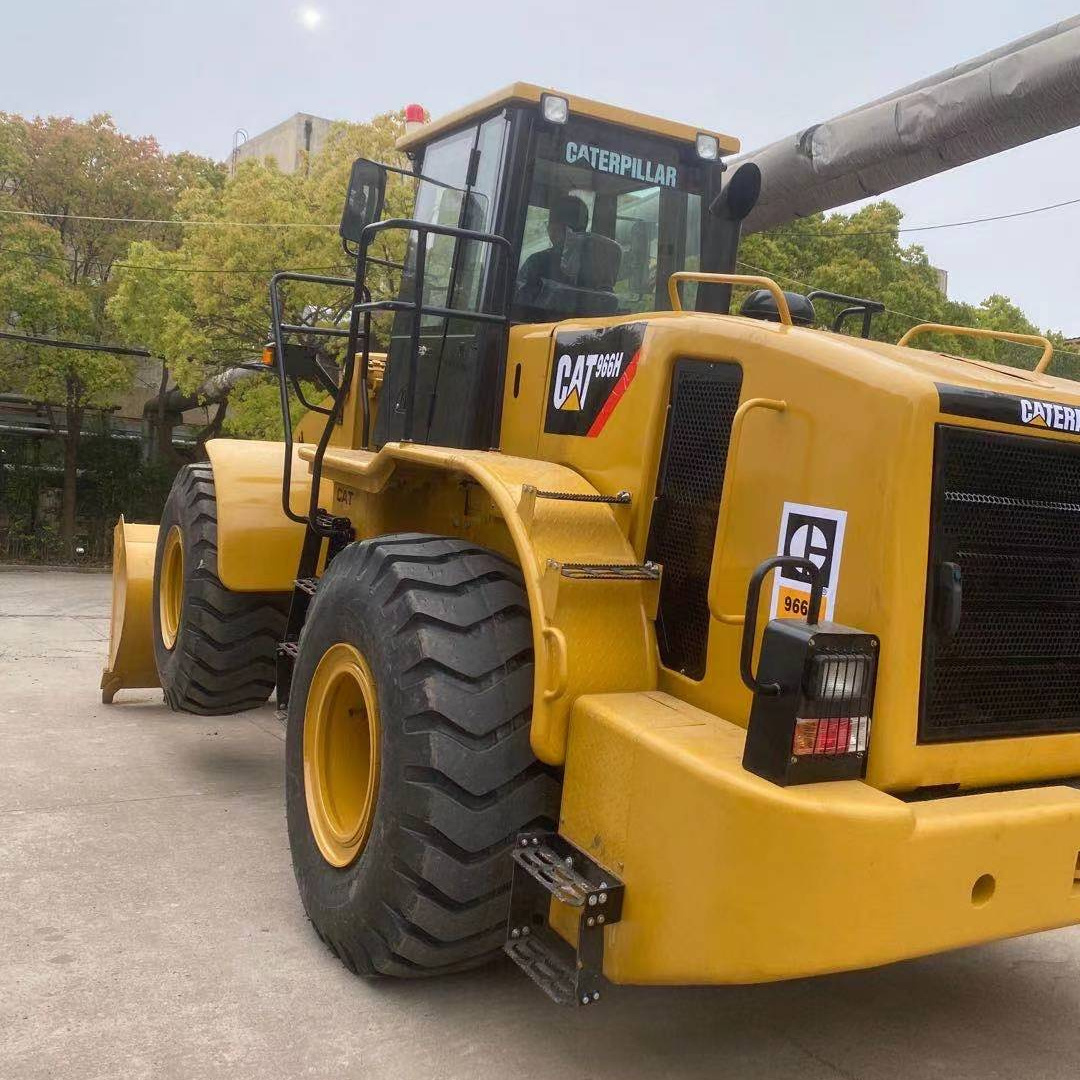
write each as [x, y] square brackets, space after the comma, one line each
[611, 215]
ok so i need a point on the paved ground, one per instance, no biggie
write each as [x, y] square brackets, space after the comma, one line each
[149, 927]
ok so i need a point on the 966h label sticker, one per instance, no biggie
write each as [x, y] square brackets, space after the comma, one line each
[590, 372]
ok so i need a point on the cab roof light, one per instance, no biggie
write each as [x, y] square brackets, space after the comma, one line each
[708, 147]
[555, 109]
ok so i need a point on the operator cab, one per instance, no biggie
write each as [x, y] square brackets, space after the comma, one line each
[600, 206]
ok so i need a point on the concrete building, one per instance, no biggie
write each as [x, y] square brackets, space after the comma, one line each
[286, 143]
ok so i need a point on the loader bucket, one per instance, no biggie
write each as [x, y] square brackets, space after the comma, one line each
[131, 649]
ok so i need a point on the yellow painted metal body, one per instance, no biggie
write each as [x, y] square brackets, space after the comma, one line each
[131, 651]
[731, 879]
[258, 546]
[828, 421]
[587, 636]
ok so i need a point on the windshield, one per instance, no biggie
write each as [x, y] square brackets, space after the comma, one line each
[610, 216]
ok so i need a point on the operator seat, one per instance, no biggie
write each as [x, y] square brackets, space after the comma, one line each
[591, 264]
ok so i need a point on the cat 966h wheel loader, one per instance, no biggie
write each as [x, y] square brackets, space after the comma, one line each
[631, 636]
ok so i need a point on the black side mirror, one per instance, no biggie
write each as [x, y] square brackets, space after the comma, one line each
[740, 193]
[364, 201]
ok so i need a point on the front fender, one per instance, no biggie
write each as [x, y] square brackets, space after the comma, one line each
[258, 546]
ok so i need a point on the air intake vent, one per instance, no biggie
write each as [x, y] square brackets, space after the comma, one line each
[704, 397]
[1007, 512]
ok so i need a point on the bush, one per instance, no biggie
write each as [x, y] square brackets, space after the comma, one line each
[113, 480]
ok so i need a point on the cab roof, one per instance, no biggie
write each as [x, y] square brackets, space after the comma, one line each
[527, 93]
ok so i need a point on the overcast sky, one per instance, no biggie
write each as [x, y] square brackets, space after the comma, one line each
[193, 72]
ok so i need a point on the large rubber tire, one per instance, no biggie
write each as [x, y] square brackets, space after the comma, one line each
[444, 626]
[223, 658]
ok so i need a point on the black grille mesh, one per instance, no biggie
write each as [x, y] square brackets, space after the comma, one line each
[704, 397]
[1007, 511]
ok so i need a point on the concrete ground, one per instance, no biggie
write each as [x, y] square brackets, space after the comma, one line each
[149, 927]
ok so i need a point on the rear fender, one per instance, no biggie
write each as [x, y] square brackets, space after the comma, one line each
[587, 634]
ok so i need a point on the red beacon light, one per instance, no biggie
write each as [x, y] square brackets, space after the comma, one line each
[415, 118]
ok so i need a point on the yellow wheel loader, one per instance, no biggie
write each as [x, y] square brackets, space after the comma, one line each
[639, 639]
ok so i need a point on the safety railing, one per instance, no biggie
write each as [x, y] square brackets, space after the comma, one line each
[358, 335]
[980, 332]
[749, 280]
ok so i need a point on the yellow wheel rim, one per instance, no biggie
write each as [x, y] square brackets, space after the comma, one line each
[341, 753]
[171, 589]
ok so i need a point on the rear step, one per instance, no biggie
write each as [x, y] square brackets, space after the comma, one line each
[546, 866]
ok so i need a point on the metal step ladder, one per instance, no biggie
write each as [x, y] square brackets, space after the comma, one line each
[547, 867]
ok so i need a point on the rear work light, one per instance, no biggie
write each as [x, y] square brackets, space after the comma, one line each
[813, 691]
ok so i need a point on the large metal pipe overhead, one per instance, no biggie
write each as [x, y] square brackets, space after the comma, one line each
[1013, 95]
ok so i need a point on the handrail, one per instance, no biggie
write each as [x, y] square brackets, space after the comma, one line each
[360, 330]
[729, 279]
[978, 331]
[280, 330]
[723, 521]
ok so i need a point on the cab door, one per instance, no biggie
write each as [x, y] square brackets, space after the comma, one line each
[459, 363]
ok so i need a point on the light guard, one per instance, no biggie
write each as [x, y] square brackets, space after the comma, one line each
[817, 727]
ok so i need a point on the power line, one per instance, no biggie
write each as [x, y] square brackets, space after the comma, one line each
[959, 224]
[44, 257]
[172, 221]
[323, 225]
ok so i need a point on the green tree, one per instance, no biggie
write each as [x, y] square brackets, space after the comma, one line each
[62, 185]
[861, 254]
[206, 322]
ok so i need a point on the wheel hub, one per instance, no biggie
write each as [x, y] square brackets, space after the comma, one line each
[171, 588]
[341, 753]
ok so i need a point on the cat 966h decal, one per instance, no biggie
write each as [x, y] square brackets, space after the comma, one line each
[590, 372]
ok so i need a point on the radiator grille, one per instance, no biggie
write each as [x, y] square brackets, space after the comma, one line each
[1007, 511]
[704, 397]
